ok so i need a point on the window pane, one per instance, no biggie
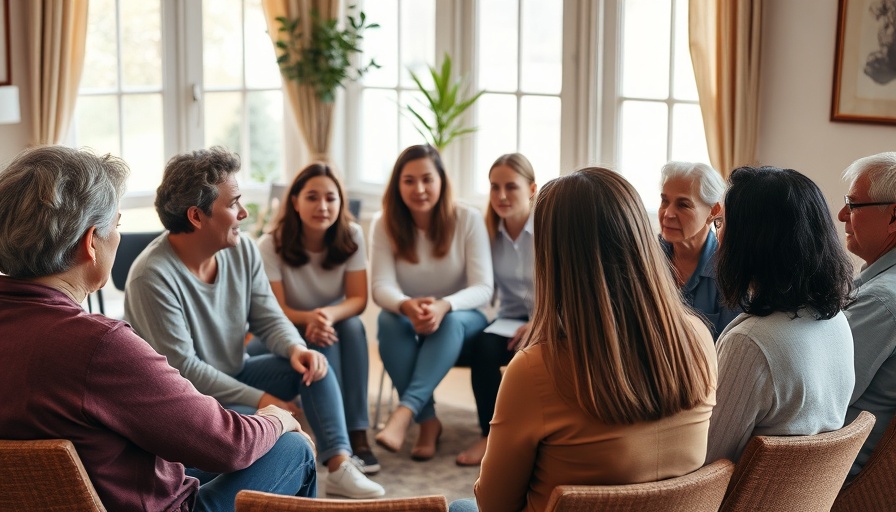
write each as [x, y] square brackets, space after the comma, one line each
[379, 125]
[223, 120]
[96, 124]
[642, 147]
[418, 40]
[265, 136]
[645, 49]
[498, 45]
[496, 134]
[382, 43]
[542, 46]
[222, 43]
[540, 135]
[100, 53]
[407, 131]
[688, 137]
[262, 71]
[141, 44]
[144, 149]
[684, 84]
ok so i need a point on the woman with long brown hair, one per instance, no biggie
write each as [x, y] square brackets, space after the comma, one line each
[616, 382]
[430, 271]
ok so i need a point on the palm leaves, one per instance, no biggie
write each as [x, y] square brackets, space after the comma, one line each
[447, 101]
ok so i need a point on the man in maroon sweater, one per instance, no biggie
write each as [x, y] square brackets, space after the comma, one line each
[133, 419]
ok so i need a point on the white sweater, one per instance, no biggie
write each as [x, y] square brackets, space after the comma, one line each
[463, 277]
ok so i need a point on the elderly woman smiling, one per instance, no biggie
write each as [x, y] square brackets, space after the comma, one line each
[68, 374]
[690, 201]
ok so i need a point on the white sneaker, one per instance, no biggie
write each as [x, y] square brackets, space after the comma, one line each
[350, 482]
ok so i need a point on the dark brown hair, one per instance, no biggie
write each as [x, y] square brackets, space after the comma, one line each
[288, 240]
[617, 339]
[397, 217]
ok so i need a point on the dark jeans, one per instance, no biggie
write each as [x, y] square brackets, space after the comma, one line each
[487, 354]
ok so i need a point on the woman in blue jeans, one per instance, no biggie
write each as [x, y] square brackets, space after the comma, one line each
[431, 268]
[317, 265]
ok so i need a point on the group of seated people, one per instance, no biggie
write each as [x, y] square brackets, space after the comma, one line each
[629, 359]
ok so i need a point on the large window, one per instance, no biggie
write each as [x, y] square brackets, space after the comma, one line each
[163, 77]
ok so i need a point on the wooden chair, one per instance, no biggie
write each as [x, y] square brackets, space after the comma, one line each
[254, 501]
[874, 488]
[795, 473]
[700, 491]
[45, 475]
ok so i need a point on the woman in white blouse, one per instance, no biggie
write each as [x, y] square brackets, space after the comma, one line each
[316, 262]
[431, 270]
[509, 222]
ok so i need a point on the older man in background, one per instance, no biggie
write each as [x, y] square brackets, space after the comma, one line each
[869, 216]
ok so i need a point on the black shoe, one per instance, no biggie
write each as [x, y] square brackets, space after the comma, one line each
[367, 462]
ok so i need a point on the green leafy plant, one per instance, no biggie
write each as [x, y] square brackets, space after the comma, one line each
[323, 60]
[447, 101]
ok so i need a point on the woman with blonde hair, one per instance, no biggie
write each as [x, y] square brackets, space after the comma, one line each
[616, 382]
[508, 219]
[431, 269]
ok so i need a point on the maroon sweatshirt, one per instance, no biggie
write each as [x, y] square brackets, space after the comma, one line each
[133, 419]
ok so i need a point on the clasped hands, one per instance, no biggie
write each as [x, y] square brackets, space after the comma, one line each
[425, 313]
[319, 328]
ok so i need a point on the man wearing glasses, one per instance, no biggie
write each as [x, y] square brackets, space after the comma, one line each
[869, 216]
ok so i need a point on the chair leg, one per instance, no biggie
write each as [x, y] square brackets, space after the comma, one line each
[379, 401]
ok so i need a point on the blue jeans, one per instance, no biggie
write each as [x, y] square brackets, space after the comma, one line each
[321, 401]
[349, 362]
[288, 469]
[464, 505]
[417, 365]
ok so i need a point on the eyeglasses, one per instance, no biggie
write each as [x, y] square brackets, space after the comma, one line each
[853, 206]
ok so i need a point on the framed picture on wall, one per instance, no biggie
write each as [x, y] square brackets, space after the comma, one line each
[5, 59]
[865, 62]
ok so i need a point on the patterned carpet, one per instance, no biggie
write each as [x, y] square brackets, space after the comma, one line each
[402, 477]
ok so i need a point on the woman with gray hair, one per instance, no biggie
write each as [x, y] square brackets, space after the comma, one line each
[689, 206]
[133, 419]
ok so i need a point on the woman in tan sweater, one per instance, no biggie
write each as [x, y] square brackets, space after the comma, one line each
[617, 380]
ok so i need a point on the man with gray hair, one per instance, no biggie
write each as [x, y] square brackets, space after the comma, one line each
[197, 290]
[869, 216]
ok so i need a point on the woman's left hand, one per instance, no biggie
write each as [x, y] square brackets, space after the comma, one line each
[311, 364]
[436, 310]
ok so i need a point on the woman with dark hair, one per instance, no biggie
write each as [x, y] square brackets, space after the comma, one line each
[431, 270]
[317, 265]
[786, 363]
[616, 382]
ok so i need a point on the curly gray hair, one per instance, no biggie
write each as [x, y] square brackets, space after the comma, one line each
[49, 197]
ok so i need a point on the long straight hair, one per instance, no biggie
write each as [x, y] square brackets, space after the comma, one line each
[521, 165]
[617, 338]
[289, 242]
[397, 216]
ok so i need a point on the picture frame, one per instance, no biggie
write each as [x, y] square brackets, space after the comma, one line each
[5, 57]
[865, 63]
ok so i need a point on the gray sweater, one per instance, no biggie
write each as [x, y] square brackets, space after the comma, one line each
[201, 328]
[780, 376]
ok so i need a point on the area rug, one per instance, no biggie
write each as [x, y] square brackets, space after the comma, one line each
[403, 477]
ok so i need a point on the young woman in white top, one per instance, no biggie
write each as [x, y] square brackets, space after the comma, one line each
[431, 269]
[509, 221]
[315, 260]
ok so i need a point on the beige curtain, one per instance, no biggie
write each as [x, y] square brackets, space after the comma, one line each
[724, 42]
[313, 117]
[57, 34]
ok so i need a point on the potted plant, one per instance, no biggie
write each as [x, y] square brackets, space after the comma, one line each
[446, 101]
[322, 58]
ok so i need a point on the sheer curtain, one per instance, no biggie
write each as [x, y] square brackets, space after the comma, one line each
[56, 34]
[725, 46]
[314, 118]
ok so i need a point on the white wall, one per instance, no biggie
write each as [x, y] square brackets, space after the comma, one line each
[797, 70]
